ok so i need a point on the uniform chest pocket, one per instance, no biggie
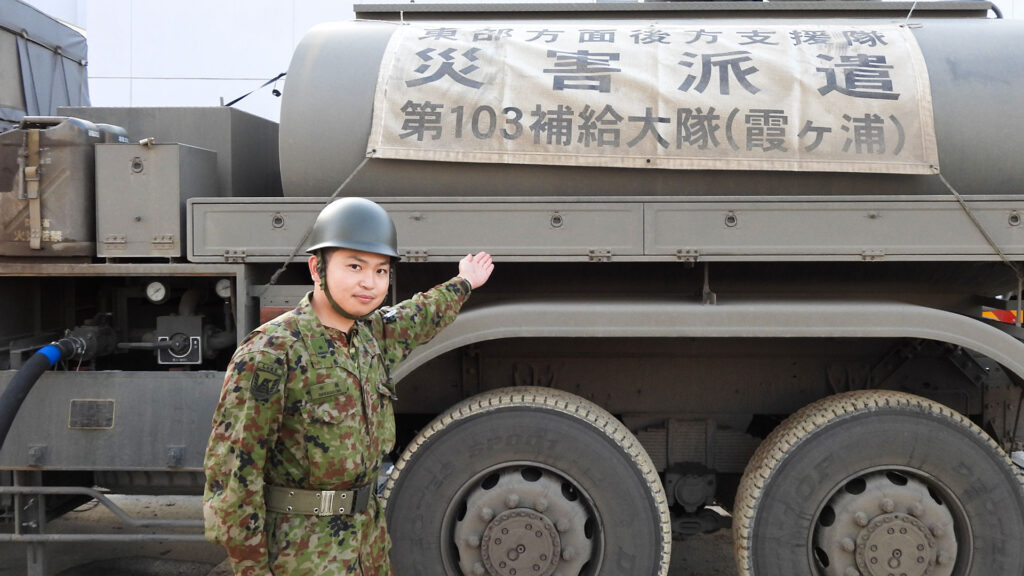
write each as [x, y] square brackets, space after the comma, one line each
[335, 401]
[335, 430]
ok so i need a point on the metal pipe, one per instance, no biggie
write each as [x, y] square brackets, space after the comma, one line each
[189, 302]
[51, 538]
[144, 345]
[102, 499]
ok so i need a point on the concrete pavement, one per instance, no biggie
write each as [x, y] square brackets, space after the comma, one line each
[705, 555]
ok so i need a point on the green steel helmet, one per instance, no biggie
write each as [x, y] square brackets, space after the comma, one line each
[355, 224]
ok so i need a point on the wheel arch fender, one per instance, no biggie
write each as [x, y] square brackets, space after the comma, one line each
[740, 319]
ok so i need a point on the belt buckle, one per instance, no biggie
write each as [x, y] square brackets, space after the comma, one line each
[326, 503]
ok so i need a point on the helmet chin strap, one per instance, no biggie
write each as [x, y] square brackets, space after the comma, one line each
[321, 270]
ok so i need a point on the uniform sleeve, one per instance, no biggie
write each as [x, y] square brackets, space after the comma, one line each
[245, 426]
[417, 320]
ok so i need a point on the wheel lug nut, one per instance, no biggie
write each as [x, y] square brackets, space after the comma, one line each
[568, 553]
[486, 514]
[916, 509]
[888, 505]
[512, 501]
[473, 541]
[851, 571]
[942, 557]
[861, 519]
[938, 531]
[479, 569]
[562, 525]
[542, 505]
[848, 545]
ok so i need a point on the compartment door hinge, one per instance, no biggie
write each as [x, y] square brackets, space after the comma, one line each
[416, 256]
[690, 256]
[872, 255]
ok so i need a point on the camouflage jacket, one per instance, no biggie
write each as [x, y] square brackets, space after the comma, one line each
[308, 406]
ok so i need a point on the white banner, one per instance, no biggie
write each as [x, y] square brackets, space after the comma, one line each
[806, 97]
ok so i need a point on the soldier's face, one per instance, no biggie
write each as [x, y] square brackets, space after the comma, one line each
[358, 280]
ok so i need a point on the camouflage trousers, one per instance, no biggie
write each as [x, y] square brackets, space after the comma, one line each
[349, 545]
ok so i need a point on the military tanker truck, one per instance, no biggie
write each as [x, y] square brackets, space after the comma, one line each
[745, 251]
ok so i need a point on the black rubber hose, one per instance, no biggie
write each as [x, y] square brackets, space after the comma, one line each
[26, 377]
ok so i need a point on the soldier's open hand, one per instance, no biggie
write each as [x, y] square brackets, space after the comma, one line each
[476, 268]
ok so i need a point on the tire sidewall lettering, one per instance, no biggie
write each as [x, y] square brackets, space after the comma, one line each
[481, 447]
[809, 485]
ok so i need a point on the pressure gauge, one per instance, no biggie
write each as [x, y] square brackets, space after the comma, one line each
[156, 292]
[223, 288]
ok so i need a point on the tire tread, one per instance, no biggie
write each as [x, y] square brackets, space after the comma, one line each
[774, 449]
[565, 403]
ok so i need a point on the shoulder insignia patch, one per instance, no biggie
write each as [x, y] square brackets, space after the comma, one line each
[266, 380]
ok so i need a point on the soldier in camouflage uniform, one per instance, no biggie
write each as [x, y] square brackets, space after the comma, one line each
[306, 412]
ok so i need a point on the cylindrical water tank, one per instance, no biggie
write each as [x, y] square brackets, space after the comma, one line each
[975, 66]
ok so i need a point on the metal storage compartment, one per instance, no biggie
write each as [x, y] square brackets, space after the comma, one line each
[246, 145]
[47, 194]
[141, 193]
[266, 230]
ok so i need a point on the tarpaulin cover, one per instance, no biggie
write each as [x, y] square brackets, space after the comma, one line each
[42, 64]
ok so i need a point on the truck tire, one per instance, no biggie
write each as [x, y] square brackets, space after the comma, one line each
[527, 481]
[875, 483]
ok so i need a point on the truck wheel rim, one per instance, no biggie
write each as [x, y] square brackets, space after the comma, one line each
[522, 519]
[891, 521]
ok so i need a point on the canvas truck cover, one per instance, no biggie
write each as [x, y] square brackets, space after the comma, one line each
[42, 64]
[694, 96]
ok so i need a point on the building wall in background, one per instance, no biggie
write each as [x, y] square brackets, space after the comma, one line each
[191, 52]
[196, 52]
